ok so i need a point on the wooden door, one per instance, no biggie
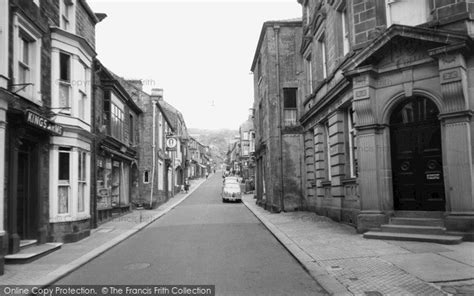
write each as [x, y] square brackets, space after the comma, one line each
[416, 156]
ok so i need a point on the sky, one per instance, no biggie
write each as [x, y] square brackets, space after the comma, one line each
[199, 52]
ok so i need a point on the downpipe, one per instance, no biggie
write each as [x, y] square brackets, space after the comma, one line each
[153, 156]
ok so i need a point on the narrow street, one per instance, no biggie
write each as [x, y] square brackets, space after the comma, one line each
[204, 242]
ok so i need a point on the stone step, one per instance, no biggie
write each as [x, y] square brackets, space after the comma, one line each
[27, 243]
[413, 229]
[419, 214]
[31, 253]
[432, 238]
[417, 221]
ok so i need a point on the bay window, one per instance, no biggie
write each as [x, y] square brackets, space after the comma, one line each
[65, 82]
[64, 180]
[117, 122]
[69, 182]
[82, 181]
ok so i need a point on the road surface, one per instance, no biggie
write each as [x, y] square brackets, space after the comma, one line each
[204, 242]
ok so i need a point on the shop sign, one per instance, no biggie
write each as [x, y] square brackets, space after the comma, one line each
[433, 176]
[171, 144]
[44, 123]
[116, 163]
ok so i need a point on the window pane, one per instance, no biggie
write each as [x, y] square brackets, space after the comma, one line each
[25, 51]
[84, 168]
[64, 95]
[82, 106]
[289, 95]
[63, 199]
[23, 74]
[64, 64]
[290, 117]
[81, 197]
[64, 166]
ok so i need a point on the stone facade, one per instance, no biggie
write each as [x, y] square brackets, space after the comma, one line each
[355, 84]
[153, 180]
[115, 155]
[31, 132]
[277, 67]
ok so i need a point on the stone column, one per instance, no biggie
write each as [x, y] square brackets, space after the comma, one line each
[370, 154]
[320, 168]
[456, 118]
[3, 125]
[310, 174]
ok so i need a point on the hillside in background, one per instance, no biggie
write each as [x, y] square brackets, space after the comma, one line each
[217, 138]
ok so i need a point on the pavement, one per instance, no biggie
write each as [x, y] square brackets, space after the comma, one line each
[344, 263]
[48, 269]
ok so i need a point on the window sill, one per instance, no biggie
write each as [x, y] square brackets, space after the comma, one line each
[326, 183]
[349, 181]
[69, 218]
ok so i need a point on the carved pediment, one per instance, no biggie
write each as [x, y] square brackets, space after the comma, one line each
[403, 45]
[401, 52]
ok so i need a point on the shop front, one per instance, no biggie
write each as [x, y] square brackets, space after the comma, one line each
[117, 181]
[27, 165]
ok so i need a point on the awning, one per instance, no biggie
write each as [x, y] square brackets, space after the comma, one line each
[119, 154]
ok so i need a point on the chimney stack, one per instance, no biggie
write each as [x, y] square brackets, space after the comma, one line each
[157, 94]
[251, 113]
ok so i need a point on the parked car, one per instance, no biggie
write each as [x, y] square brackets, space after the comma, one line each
[231, 192]
[229, 180]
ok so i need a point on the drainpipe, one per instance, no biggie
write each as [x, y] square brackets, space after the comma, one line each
[156, 96]
[154, 151]
[276, 28]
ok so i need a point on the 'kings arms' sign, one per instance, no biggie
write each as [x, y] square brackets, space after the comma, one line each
[44, 123]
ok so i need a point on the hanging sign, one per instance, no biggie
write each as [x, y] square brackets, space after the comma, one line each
[43, 123]
[171, 144]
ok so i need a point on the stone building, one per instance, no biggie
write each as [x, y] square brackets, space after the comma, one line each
[388, 105]
[247, 147]
[179, 164]
[46, 54]
[197, 158]
[154, 176]
[277, 68]
[115, 156]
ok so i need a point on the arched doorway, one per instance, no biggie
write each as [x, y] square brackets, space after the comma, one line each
[417, 169]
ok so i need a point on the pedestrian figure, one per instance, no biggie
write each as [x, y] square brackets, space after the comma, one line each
[186, 185]
[207, 175]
